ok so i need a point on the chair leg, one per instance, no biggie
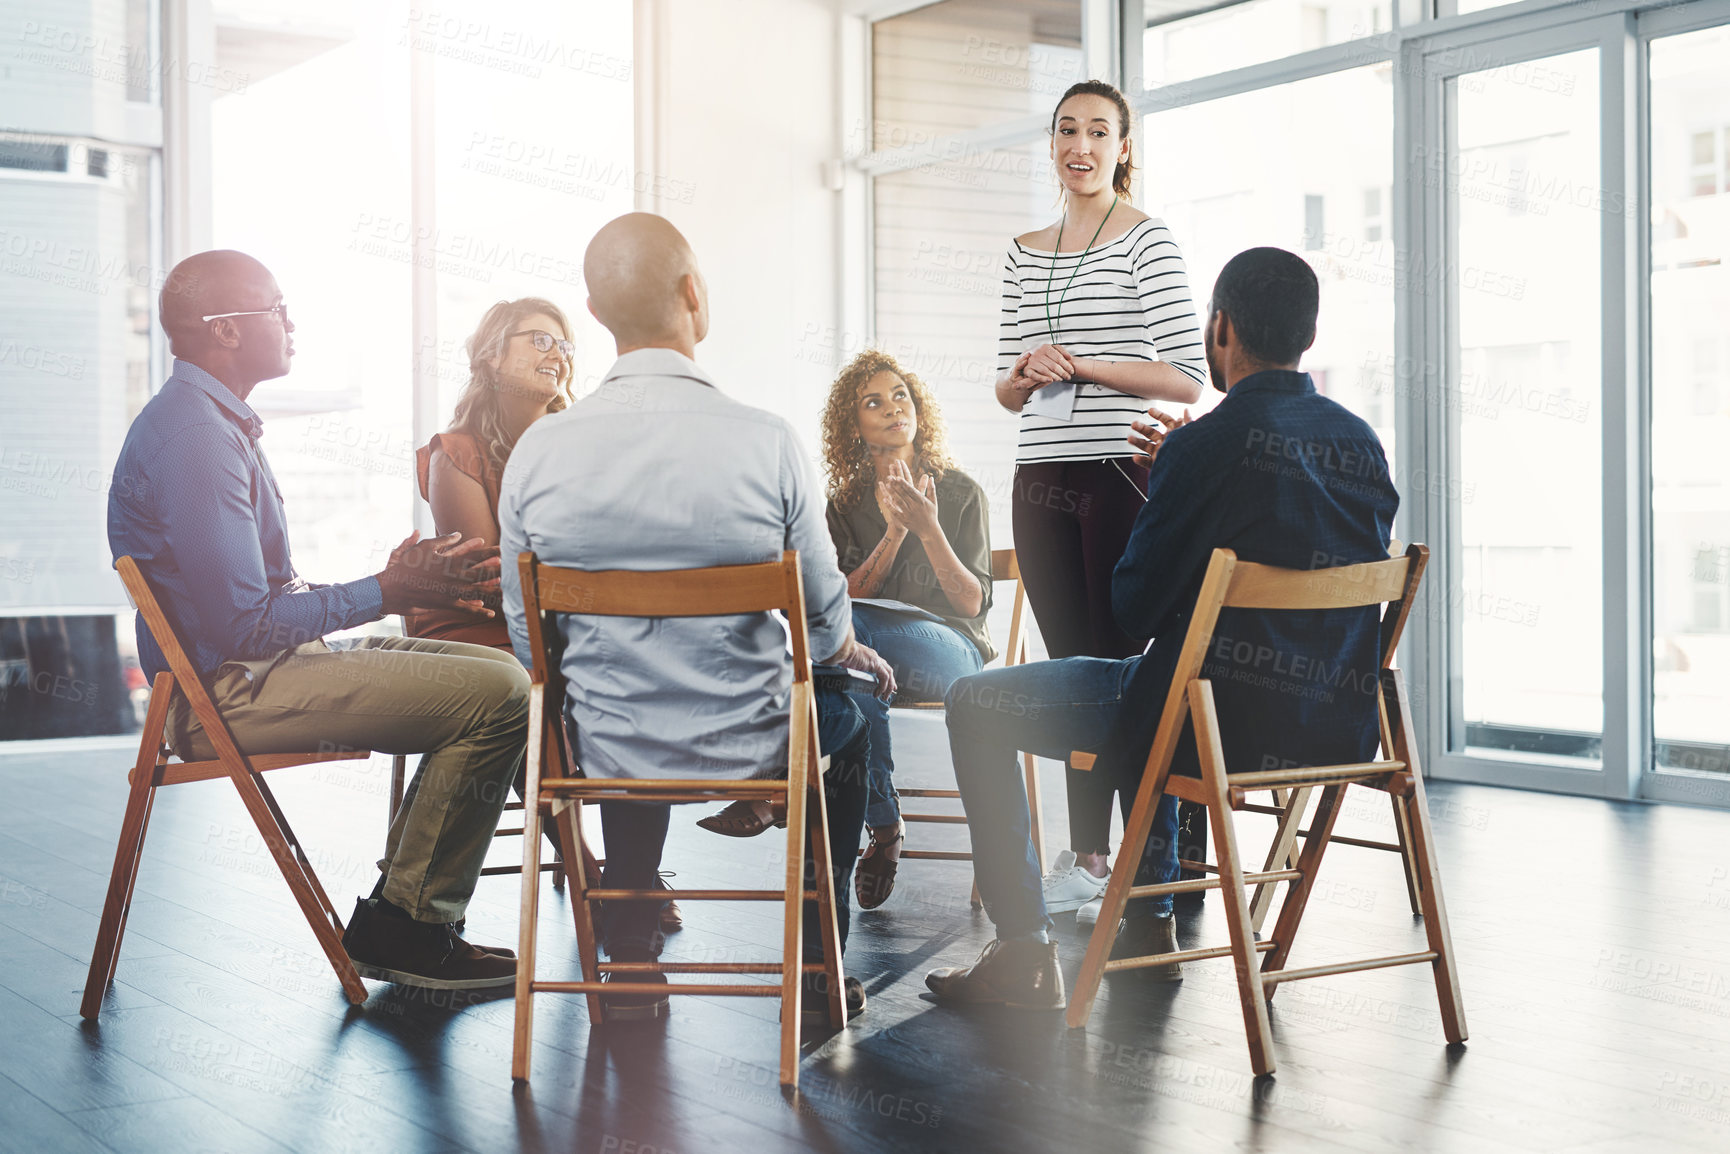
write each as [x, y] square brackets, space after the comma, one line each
[1422, 860]
[574, 846]
[523, 1035]
[1445, 967]
[1030, 769]
[300, 854]
[1129, 851]
[127, 854]
[823, 869]
[1408, 861]
[398, 768]
[317, 914]
[1281, 853]
[792, 934]
[1237, 906]
[1291, 912]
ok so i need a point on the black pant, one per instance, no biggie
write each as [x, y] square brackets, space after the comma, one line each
[636, 832]
[1072, 523]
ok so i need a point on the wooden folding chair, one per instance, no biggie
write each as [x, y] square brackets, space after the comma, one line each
[154, 769]
[1004, 567]
[557, 790]
[1231, 583]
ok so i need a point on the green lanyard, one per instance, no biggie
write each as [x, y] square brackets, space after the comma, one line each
[1050, 325]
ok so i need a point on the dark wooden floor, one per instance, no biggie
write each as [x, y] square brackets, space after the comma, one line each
[1594, 937]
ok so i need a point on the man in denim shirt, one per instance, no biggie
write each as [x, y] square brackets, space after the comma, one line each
[194, 503]
[1283, 476]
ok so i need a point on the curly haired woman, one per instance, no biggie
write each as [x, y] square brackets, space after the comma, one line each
[911, 534]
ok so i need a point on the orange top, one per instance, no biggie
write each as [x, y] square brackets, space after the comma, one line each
[465, 453]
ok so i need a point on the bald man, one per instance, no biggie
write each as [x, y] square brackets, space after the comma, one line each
[194, 503]
[659, 469]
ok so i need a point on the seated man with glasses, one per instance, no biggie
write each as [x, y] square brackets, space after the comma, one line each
[194, 502]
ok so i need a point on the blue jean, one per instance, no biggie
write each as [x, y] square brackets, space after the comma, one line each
[1049, 708]
[636, 832]
[927, 657]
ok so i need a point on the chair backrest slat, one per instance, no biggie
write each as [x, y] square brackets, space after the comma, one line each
[1255, 586]
[715, 591]
[1004, 566]
[712, 592]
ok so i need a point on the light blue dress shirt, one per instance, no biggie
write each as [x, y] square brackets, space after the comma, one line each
[658, 469]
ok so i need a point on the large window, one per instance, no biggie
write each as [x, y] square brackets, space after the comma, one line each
[944, 219]
[1690, 166]
[1288, 181]
[80, 267]
[1525, 591]
[1468, 179]
[1184, 40]
[521, 180]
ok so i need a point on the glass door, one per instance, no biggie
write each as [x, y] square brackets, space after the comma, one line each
[1523, 558]
[1689, 165]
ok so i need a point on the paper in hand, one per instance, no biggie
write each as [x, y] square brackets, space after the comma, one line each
[1055, 401]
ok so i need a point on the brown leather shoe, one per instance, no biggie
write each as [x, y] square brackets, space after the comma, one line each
[672, 917]
[1020, 974]
[387, 945]
[745, 819]
[1144, 937]
[461, 926]
[874, 878]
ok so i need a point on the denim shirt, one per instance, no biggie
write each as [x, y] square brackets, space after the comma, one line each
[195, 504]
[1285, 477]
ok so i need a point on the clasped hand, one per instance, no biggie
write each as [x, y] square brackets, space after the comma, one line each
[441, 573]
[1045, 365]
[907, 504]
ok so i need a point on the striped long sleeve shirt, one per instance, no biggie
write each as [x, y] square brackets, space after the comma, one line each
[1129, 301]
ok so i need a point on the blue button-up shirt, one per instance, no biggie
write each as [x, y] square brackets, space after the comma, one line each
[658, 469]
[196, 505]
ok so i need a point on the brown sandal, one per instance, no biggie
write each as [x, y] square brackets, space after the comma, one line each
[874, 878]
[744, 819]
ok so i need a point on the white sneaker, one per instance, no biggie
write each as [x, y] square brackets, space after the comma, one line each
[1068, 886]
[1088, 915]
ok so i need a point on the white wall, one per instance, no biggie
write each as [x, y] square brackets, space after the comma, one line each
[736, 108]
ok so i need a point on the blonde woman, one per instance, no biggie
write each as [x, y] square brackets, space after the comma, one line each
[910, 532]
[519, 371]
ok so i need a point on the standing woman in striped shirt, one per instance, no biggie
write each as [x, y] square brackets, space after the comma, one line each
[1097, 322]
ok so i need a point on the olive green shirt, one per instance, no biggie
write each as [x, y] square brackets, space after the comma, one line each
[962, 514]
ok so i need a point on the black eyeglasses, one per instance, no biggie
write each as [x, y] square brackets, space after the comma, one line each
[546, 342]
[281, 312]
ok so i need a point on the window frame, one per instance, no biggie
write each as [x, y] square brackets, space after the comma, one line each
[1430, 42]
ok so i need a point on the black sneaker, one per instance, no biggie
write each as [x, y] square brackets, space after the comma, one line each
[814, 999]
[1142, 937]
[1020, 974]
[635, 1007]
[387, 945]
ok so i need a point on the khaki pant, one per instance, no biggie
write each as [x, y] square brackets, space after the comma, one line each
[464, 706]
